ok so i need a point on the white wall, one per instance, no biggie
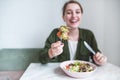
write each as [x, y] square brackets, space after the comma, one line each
[27, 23]
[112, 33]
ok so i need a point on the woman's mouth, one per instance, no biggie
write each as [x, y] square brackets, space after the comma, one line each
[74, 21]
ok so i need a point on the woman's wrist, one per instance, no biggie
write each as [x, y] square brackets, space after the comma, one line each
[50, 53]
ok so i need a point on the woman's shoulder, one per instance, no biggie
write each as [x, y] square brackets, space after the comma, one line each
[53, 33]
[87, 31]
[55, 30]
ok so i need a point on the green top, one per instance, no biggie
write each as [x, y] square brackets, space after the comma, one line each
[82, 53]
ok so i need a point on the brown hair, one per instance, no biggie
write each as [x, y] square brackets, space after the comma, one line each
[69, 2]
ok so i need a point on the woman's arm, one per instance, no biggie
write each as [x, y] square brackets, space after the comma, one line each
[44, 56]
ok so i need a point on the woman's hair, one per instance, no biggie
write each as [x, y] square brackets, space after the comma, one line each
[69, 2]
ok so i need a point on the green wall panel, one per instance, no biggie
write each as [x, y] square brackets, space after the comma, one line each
[18, 59]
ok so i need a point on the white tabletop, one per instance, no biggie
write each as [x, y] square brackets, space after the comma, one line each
[52, 71]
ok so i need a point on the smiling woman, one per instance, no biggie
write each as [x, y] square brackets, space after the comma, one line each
[73, 48]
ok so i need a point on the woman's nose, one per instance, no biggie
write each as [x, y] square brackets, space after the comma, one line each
[74, 15]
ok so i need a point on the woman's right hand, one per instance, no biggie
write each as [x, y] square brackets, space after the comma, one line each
[56, 49]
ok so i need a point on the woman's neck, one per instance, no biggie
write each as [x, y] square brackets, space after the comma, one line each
[74, 34]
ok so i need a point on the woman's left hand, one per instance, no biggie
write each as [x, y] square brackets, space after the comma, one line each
[99, 58]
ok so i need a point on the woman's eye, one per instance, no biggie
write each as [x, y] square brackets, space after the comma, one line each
[68, 12]
[78, 12]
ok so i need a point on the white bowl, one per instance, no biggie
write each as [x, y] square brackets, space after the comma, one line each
[77, 74]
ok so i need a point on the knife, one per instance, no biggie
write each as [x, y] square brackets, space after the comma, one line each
[88, 47]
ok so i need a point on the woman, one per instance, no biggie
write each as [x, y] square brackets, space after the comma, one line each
[74, 48]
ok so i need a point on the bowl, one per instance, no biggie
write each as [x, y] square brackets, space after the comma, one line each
[76, 72]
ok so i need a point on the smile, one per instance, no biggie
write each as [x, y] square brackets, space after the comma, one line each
[74, 20]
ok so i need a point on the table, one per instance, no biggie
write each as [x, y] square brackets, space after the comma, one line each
[52, 71]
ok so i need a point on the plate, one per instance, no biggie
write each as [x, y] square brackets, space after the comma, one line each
[77, 72]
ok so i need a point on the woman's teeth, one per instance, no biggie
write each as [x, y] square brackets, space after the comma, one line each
[73, 21]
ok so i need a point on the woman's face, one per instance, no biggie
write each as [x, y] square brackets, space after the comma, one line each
[72, 15]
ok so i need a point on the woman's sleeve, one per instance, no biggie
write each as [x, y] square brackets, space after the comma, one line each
[94, 45]
[44, 57]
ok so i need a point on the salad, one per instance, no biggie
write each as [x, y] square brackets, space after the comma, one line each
[63, 33]
[79, 67]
